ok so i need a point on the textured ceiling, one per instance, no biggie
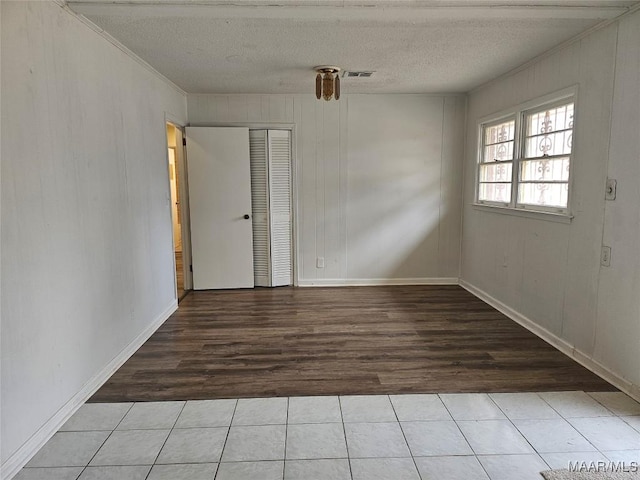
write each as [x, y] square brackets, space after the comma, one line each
[428, 46]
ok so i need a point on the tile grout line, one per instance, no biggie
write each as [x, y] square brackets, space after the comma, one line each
[475, 455]
[413, 458]
[518, 430]
[286, 434]
[344, 430]
[105, 440]
[166, 439]
[613, 414]
[570, 424]
[603, 405]
[226, 438]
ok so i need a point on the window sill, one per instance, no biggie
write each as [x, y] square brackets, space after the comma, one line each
[518, 212]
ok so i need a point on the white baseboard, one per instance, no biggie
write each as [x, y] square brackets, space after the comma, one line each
[582, 358]
[19, 459]
[365, 282]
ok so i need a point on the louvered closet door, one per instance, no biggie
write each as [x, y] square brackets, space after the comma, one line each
[271, 203]
[260, 206]
[280, 207]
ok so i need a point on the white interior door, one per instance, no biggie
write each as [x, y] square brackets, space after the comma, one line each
[220, 207]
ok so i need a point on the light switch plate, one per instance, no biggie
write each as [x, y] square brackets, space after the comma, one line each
[320, 262]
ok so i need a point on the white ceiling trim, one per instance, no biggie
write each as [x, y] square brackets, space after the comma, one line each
[387, 13]
[373, 3]
[119, 45]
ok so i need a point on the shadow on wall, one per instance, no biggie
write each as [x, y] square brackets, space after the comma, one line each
[393, 225]
[393, 219]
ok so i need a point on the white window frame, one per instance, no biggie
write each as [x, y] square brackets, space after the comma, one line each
[519, 114]
[512, 116]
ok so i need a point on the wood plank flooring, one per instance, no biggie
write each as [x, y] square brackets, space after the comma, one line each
[328, 341]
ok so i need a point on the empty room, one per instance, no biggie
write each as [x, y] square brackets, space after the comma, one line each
[320, 239]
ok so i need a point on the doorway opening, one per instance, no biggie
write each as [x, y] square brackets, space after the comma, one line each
[177, 188]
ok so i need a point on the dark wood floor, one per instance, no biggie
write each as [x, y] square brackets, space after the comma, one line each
[328, 341]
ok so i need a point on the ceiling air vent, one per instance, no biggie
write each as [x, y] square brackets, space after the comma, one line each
[352, 74]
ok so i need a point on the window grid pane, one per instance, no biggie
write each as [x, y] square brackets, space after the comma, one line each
[498, 152]
[500, 132]
[550, 120]
[495, 192]
[495, 172]
[549, 145]
[499, 141]
[544, 194]
[549, 132]
[545, 169]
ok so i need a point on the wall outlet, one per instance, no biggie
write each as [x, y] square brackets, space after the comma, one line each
[610, 191]
[605, 256]
[320, 262]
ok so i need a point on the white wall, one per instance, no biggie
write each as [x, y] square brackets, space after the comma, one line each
[378, 180]
[87, 265]
[617, 341]
[549, 273]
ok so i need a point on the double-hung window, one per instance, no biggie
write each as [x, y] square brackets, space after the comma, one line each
[495, 175]
[525, 158]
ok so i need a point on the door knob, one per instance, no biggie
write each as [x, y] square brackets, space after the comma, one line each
[247, 217]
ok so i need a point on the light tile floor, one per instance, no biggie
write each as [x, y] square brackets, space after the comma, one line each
[379, 437]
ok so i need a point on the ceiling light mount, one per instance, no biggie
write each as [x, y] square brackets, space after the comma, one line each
[327, 82]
